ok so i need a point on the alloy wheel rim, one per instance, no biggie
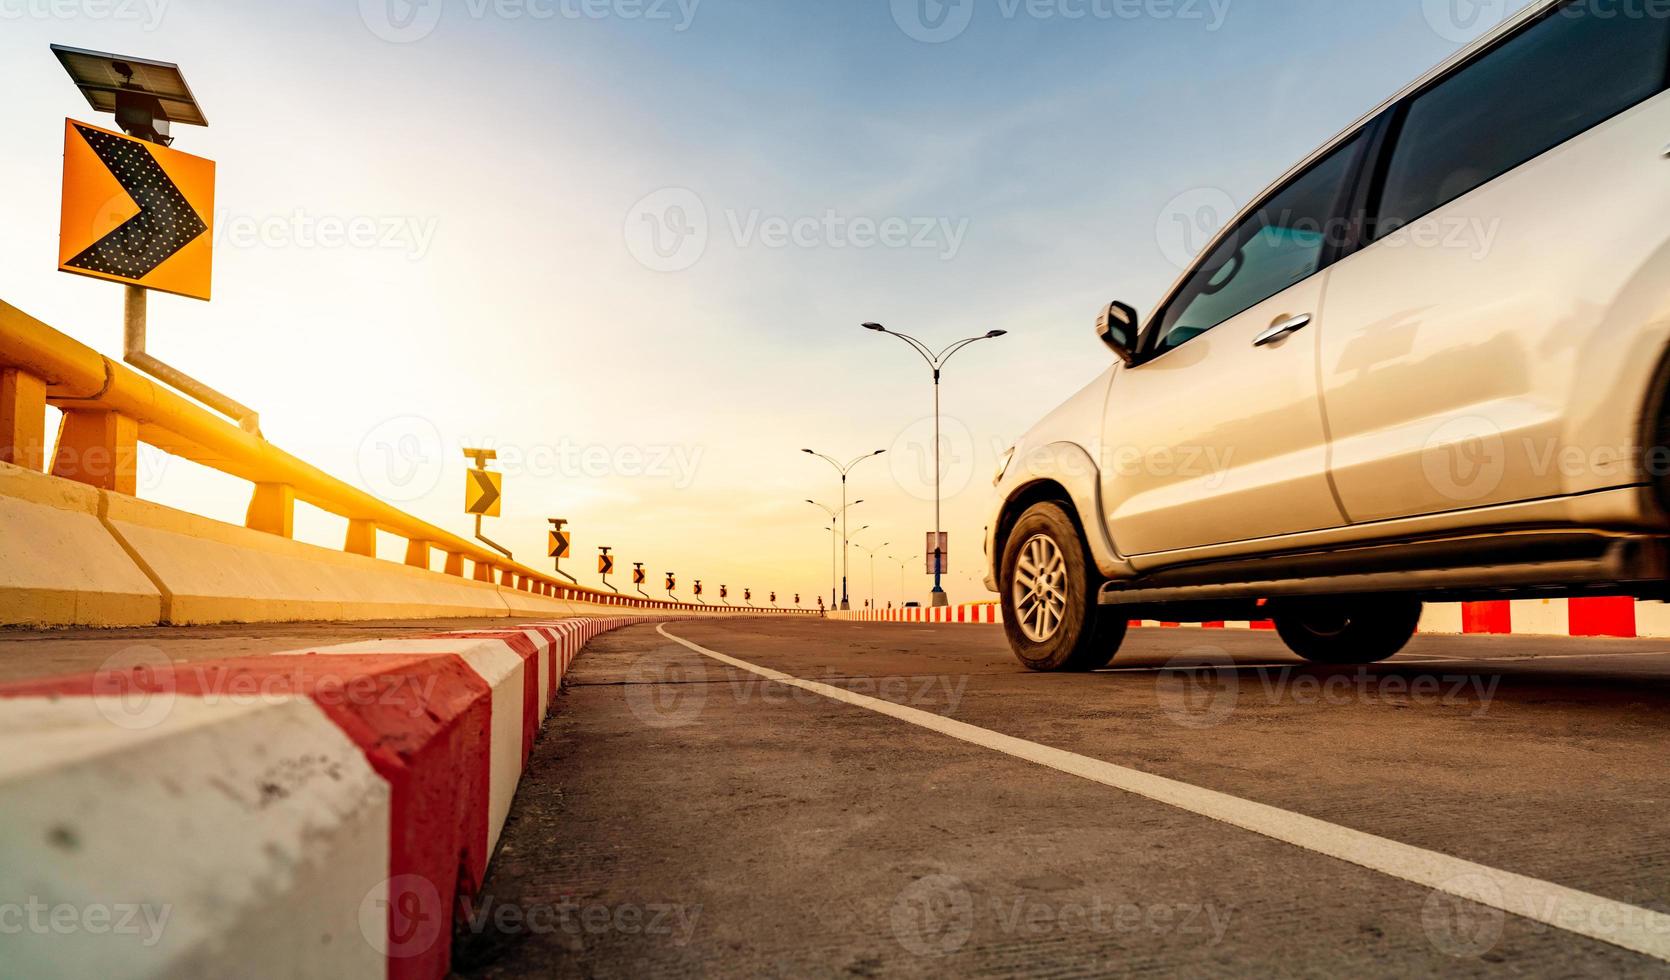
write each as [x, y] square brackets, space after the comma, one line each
[1040, 589]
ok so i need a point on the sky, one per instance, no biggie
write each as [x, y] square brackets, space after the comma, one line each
[629, 243]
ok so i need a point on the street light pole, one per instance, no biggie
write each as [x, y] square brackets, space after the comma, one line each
[844, 470]
[834, 543]
[937, 363]
[902, 563]
[872, 553]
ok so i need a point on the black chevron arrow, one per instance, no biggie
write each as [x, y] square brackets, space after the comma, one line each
[165, 223]
[489, 493]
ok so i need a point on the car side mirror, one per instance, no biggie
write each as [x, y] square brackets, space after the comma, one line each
[1117, 328]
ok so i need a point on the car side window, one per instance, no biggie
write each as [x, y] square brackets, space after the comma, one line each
[1281, 244]
[1558, 78]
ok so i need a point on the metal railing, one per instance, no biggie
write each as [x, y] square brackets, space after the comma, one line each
[109, 408]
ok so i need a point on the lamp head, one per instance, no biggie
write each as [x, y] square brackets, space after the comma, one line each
[878, 328]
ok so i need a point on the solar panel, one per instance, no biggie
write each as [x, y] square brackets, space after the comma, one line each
[100, 76]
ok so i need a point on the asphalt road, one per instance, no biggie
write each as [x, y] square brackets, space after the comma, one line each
[687, 816]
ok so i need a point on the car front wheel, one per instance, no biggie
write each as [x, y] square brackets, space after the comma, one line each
[1049, 586]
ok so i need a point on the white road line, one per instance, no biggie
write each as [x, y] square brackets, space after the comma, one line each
[1628, 926]
[1530, 659]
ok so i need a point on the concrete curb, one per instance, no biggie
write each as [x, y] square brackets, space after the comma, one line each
[317, 812]
[1615, 616]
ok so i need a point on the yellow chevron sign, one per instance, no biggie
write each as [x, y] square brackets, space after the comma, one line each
[482, 492]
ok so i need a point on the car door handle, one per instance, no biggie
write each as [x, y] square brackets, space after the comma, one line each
[1282, 328]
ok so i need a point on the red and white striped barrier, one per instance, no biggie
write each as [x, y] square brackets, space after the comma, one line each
[1605, 616]
[968, 613]
[312, 813]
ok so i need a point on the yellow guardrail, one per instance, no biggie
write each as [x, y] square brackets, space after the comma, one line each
[108, 408]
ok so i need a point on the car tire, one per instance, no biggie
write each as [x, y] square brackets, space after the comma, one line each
[1049, 589]
[1362, 630]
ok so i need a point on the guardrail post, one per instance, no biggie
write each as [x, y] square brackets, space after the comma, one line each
[100, 449]
[272, 509]
[508, 578]
[362, 538]
[483, 572]
[22, 419]
[455, 564]
[417, 554]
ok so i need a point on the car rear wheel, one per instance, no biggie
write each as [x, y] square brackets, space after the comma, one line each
[1049, 596]
[1362, 630]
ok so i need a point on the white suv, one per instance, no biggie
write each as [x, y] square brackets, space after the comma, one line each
[1428, 364]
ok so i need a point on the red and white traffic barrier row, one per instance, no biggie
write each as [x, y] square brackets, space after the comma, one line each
[1605, 616]
[977, 612]
[313, 813]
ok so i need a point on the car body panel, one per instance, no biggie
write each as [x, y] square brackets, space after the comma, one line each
[1181, 470]
[1460, 352]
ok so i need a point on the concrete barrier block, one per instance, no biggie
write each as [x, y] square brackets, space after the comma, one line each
[212, 572]
[58, 564]
[185, 837]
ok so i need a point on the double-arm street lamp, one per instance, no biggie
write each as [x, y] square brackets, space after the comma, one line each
[872, 553]
[937, 363]
[835, 518]
[844, 470]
